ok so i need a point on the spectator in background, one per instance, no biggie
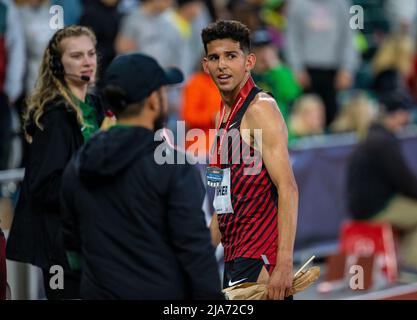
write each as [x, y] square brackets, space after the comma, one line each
[72, 10]
[104, 19]
[202, 19]
[149, 29]
[402, 15]
[375, 24]
[271, 74]
[369, 38]
[393, 66]
[307, 117]
[211, 9]
[356, 115]
[126, 6]
[12, 64]
[61, 115]
[187, 19]
[381, 187]
[200, 105]
[274, 15]
[320, 48]
[34, 17]
[247, 12]
[183, 16]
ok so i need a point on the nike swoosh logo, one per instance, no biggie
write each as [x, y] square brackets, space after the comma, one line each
[231, 284]
[232, 125]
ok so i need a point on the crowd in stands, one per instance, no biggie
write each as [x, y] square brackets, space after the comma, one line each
[327, 76]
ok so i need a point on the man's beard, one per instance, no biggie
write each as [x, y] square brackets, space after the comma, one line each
[162, 118]
[160, 122]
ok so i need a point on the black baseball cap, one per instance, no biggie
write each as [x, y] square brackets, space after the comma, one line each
[138, 75]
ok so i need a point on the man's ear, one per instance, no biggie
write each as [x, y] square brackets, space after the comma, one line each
[204, 62]
[153, 102]
[250, 62]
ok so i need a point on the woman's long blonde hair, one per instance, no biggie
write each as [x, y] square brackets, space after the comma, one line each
[306, 106]
[396, 52]
[49, 86]
[356, 115]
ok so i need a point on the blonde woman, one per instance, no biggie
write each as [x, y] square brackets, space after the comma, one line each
[356, 115]
[308, 116]
[61, 115]
[393, 64]
[396, 52]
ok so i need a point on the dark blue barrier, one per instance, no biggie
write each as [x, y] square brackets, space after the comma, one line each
[320, 167]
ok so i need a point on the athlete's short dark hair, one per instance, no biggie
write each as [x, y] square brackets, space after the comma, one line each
[227, 29]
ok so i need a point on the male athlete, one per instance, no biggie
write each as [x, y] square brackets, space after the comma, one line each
[256, 214]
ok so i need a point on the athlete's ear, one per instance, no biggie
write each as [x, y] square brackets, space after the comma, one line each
[250, 61]
[204, 62]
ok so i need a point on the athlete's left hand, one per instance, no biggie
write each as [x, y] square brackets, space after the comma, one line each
[280, 280]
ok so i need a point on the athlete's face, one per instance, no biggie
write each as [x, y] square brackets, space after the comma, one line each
[227, 64]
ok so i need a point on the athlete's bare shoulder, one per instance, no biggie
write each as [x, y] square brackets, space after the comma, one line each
[263, 109]
[263, 97]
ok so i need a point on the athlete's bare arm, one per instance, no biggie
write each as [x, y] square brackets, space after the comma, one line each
[264, 114]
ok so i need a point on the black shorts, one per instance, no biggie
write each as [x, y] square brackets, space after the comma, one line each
[242, 270]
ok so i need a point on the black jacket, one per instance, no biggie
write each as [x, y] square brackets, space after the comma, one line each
[35, 233]
[378, 171]
[139, 225]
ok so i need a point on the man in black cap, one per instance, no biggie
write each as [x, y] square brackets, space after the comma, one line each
[381, 186]
[138, 226]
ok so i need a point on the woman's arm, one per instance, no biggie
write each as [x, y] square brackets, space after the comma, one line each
[50, 152]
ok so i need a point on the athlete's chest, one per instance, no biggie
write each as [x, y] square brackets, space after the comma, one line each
[241, 126]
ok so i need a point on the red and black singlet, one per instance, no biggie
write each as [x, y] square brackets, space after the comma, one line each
[252, 230]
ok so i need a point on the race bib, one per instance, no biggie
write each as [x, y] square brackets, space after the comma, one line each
[222, 195]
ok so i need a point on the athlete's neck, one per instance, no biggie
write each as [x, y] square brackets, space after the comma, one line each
[229, 97]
